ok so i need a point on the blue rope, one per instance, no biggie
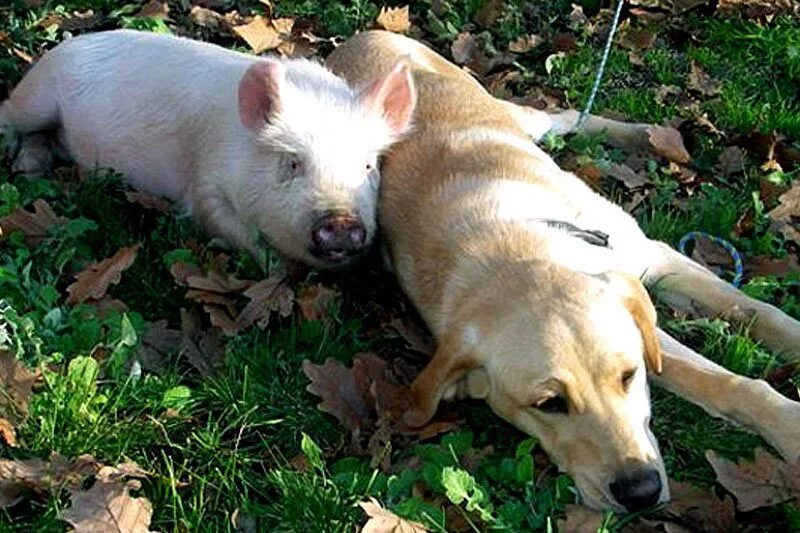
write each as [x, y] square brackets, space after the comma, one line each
[738, 267]
[600, 69]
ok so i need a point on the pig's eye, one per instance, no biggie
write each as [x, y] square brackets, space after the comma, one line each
[627, 378]
[369, 167]
[294, 165]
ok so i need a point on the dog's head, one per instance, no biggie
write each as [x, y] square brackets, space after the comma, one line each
[566, 361]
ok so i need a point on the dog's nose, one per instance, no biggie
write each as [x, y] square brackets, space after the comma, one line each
[638, 490]
[338, 235]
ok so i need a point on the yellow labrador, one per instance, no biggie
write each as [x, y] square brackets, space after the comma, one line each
[530, 283]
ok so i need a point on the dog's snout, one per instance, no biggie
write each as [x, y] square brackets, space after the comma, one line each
[338, 235]
[638, 490]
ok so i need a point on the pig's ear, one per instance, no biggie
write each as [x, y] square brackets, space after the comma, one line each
[393, 96]
[260, 93]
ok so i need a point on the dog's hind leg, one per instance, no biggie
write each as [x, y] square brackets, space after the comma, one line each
[686, 285]
[750, 403]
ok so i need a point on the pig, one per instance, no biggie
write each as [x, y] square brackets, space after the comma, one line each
[259, 150]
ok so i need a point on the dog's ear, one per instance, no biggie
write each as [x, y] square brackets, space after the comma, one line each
[640, 306]
[451, 362]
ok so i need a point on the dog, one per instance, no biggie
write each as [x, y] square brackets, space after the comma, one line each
[260, 150]
[534, 286]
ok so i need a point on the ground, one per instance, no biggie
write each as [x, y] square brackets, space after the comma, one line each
[150, 358]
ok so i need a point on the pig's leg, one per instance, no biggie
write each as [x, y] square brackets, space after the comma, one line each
[35, 155]
[751, 403]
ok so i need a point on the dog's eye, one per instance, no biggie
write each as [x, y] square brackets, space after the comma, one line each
[555, 404]
[627, 378]
[369, 167]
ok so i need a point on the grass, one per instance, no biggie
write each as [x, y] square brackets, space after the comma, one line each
[226, 446]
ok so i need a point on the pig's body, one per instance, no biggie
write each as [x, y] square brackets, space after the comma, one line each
[182, 119]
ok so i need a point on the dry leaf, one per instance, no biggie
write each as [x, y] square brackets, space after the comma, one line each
[382, 520]
[394, 19]
[33, 225]
[207, 18]
[94, 280]
[465, 49]
[700, 509]
[314, 301]
[787, 213]
[157, 343]
[108, 506]
[148, 201]
[711, 254]
[34, 475]
[259, 34]
[580, 519]
[525, 43]
[764, 481]
[663, 92]
[267, 296]
[490, 12]
[8, 434]
[668, 142]
[731, 161]
[343, 392]
[637, 38]
[700, 81]
[764, 265]
[154, 9]
[202, 348]
[625, 174]
[16, 387]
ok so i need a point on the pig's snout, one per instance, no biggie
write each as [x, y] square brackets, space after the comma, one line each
[337, 237]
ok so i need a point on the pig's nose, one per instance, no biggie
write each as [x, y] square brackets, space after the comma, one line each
[338, 236]
[637, 490]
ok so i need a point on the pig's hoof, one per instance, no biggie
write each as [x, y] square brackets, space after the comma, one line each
[35, 157]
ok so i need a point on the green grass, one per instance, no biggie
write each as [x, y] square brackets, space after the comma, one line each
[223, 446]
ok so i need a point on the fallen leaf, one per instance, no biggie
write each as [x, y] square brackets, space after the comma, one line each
[757, 9]
[267, 296]
[701, 82]
[94, 280]
[565, 42]
[18, 477]
[663, 92]
[382, 520]
[637, 38]
[206, 18]
[8, 434]
[465, 49]
[762, 482]
[765, 265]
[580, 519]
[154, 9]
[157, 343]
[786, 216]
[202, 348]
[108, 506]
[699, 509]
[148, 201]
[668, 142]
[711, 254]
[525, 43]
[731, 161]
[491, 11]
[394, 19]
[629, 178]
[314, 301]
[16, 388]
[259, 34]
[33, 225]
[344, 392]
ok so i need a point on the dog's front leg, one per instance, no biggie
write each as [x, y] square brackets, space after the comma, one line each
[750, 403]
[690, 287]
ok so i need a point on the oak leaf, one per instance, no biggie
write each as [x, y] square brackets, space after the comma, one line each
[314, 301]
[33, 225]
[16, 386]
[344, 392]
[267, 296]
[148, 201]
[382, 520]
[764, 481]
[259, 34]
[94, 280]
[580, 519]
[700, 508]
[108, 506]
[786, 215]
[18, 477]
[394, 19]
[202, 348]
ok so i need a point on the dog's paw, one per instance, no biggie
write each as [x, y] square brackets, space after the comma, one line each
[35, 156]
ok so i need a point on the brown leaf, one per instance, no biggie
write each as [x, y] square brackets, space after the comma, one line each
[94, 280]
[663, 92]
[16, 387]
[343, 391]
[668, 142]
[700, 508]
[625, 174]
[207, 18]
[148, 201]
[580, 519]
[158, 342]
[202, 348]
[221, 318]
[637, 38]
[259, 34]
[711, 254]
[267, 296]
[762, 482]
[491, 11]
[382, 520]
[765, 265]
[108, 506]
[394, 19]
[465, 49]
[525, 43]
[154, 9]
[731, 161]
[33, 225]
[314, 301]
[8, 434]
[34, 475]
[565, 42]
[786, 215]
[701, 82]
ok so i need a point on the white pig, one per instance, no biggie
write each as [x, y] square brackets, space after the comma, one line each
[259, 150]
